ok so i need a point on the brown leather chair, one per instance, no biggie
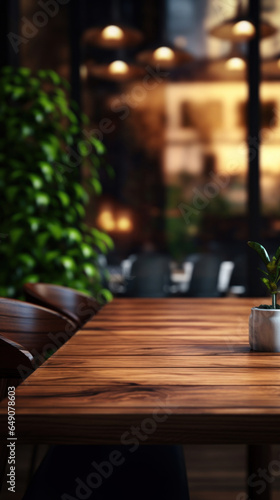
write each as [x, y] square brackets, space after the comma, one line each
[39, 330]
[28, 335]
[14, 361]
[12, 356]
[75, 305]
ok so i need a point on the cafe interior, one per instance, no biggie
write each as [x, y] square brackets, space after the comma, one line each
[139, 154]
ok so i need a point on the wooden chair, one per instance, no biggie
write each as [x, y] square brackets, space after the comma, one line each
[39, 330]
[77, 306]
[14, 361]
[12, 356]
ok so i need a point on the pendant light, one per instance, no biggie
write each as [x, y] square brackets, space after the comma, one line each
[163, 54]
[118, 70]
[114, 35]
[235, 60]
[232, 66]
[166, 56]
[241, 29]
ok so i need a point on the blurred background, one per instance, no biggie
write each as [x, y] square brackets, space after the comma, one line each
[186, 98]
[167, 92]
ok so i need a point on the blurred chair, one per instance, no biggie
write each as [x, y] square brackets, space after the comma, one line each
[238, 280]
[225, 273]
[204, 277]
[39, 330]
[76, 306]
[149, 276]
[12, 356]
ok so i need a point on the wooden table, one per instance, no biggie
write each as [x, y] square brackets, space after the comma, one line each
[163, 370]
[186, 359]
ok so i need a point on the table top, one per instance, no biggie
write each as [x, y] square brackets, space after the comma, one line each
[157, 371]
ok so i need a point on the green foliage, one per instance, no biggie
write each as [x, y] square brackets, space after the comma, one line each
[44, 237]
[272, 273]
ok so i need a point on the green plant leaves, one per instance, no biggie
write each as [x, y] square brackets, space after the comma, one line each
[42, 151]
[37, 182]
[42, 199]
[64, 198]
[272, 273]
[67, 262]
[73, 234]
[260, 250]
[90, 270]
[271, 285]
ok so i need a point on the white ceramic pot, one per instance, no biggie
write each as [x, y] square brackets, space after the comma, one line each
[264, 330]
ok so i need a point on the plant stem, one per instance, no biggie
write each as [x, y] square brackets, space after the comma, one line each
[274, 300]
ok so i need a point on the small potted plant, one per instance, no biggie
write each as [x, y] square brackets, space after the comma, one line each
[264, 322]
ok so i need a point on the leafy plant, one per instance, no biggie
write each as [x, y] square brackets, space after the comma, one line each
[43, 236]
[272, 273]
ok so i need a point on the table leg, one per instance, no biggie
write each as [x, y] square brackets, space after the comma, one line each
[259, 479]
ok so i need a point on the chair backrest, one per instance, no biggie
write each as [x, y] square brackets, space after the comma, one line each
[204, 280]
[39, 330]
[75, 305]
[149, 277]
[238, 281]
[14, 363]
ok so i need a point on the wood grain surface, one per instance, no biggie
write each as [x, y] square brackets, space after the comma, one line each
[171, 370]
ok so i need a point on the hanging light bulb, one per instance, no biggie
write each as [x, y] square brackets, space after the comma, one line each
[118, 68]
[112, 33]
[240, 29]
[232, 66]
[164, 54]
[112, 37]
[244, 28]
[235, 64]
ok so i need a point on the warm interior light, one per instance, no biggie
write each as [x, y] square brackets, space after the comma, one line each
[118, 68]
[83, 72]
[106, 221]
[164, 54]
[112, 32]
[124, 224]
[244, 28]
[235, 64]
